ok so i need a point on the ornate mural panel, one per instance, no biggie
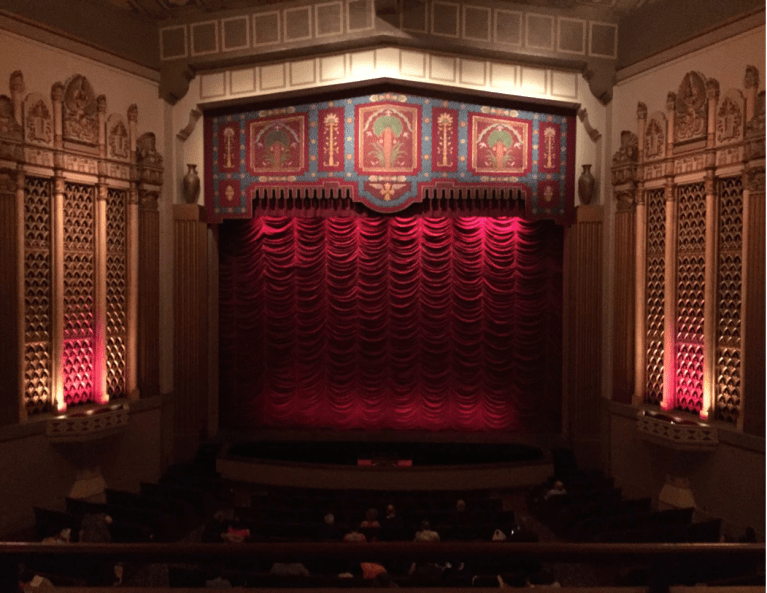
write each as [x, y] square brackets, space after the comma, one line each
[37, 294]
[691, 267]
[387, 151]
[656, 281]
[728, 344]
[277, 146]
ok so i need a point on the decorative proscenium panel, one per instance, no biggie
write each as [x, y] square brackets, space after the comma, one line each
[730, 284]
[37, 295]
[656, 281]
[691, 268]
[388, 151]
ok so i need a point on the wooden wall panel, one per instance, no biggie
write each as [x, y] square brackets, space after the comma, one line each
[624, 305]
[190, 326]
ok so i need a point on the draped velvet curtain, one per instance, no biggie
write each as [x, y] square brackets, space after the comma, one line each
[376, 322]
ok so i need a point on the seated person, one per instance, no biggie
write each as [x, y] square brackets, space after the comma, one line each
[289, 569]
[558, 489]
[371, 570]
[426, 534]
[328, 530]
[371, 519]
[354, 535]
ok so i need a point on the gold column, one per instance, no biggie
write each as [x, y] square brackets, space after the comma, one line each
[190, 328]
[57, 291]
[100, 300]
[640, 252]
[712, 264]
[131, 338]
[669, 308]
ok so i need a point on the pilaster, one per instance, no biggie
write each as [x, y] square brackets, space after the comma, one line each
[584, 343]
[190, 327]
[669, 308]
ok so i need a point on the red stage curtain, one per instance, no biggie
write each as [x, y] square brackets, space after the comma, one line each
[450, 323]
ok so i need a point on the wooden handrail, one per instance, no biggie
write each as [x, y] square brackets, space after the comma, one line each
[563, 552]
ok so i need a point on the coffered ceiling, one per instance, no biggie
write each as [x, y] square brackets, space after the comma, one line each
[161, 9]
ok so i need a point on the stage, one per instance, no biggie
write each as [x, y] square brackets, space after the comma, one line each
[387, 460]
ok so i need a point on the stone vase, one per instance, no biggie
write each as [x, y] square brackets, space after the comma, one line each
[191, 185]
[586, 185]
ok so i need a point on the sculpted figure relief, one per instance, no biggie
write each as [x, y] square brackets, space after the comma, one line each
[8, 126]
[80, 111]
[691, 108]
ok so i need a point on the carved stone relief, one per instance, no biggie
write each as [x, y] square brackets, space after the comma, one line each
[146, 150]
[118, 141]
[755, 131]
[624, 169]
[655, 137]
[80, 115]
[9, 128]
[691, 108]
[38, 119]
[729, 117]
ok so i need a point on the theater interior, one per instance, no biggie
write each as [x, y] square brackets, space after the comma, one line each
[265, 261]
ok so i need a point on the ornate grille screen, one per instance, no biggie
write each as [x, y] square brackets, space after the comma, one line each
[116, 292]
[37, 295]
[656, 262]
[78, 362]
[691, 268]
[728, 346]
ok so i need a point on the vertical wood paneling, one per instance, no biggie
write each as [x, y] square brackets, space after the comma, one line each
[584, 326]
[624, 306]
[190, 321]
[10, 378]
[753, 334]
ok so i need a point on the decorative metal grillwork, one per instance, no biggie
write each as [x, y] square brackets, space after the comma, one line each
[37, 377]
[37, 295]
[116, 285]
[691, 269]
[79, 293]
[77, 369]
[656, 278]
[79, 217]
[728, 345]
[115, 367]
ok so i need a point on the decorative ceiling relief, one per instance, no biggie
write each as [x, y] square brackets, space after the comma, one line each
[388, 151]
